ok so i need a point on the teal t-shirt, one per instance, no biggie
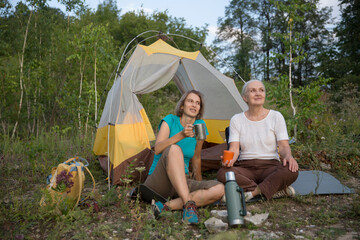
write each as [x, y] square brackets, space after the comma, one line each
[187, 144]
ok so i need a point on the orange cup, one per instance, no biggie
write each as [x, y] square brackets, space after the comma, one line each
[227, 157]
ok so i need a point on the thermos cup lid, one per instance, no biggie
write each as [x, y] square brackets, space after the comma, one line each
[230, 176]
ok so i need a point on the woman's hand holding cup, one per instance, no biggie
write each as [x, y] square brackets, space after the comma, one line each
[188, 130]
[227, 158]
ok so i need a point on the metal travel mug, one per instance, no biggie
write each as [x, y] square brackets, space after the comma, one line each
[200, 132]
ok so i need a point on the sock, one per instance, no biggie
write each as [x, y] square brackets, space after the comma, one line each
[248, 196]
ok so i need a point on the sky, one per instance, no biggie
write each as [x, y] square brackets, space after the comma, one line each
[196, 13]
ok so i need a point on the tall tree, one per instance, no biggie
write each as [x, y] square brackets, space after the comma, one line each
[310, 38]
[239, 27]
[266, 14]
[292, 40]
[91, 44]
[315, 35]
[108, 14]
[33, 5]
[348, 33]
[70, 5]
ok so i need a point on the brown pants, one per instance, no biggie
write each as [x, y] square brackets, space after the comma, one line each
[160, 182]
[269, 175]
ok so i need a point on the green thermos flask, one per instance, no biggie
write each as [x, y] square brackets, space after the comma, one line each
[235, 200]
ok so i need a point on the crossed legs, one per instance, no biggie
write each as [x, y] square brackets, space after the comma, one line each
[176, 173]
[260, 176]
[170, 175]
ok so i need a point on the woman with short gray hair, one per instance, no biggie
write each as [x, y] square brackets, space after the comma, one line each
[262, 163]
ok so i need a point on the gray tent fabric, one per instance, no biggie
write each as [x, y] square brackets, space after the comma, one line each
[318, 183]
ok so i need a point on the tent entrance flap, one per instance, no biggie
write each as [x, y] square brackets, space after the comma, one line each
[182, 80]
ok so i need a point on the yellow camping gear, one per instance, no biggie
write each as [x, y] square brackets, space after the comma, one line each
[66, 182]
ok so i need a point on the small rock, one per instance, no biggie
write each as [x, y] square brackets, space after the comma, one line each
[257, 219]
[214, 225]
[220, 214]
[325, 166]
[129, 230]
[298, 237]
[267, 224]
[264, 235]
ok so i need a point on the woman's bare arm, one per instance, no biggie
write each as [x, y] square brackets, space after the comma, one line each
[163, 140]
[286, 156]
[196, 160]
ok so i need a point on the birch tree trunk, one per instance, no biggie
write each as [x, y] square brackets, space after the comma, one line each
[82, 69]
[95, 90]
[21, 79]
[87, 116]
[290, 83]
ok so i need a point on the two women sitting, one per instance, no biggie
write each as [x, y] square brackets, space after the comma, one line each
[257, 137]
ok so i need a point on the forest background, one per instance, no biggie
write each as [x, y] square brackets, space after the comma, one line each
[56, 69]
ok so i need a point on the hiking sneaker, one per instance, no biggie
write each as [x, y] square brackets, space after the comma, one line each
[158, 207]
[190, 215]
[287, 192]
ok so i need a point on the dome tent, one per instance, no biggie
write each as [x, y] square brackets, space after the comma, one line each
[124, 132]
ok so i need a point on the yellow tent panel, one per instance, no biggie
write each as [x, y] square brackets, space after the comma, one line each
[216, 130]
[162, 47]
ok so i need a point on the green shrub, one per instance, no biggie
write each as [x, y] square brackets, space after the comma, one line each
[307, 101]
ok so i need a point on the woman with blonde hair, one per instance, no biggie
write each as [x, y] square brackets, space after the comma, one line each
[175, 147]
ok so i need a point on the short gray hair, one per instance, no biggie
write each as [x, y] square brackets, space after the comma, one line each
[179, 112]
[244, 88]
